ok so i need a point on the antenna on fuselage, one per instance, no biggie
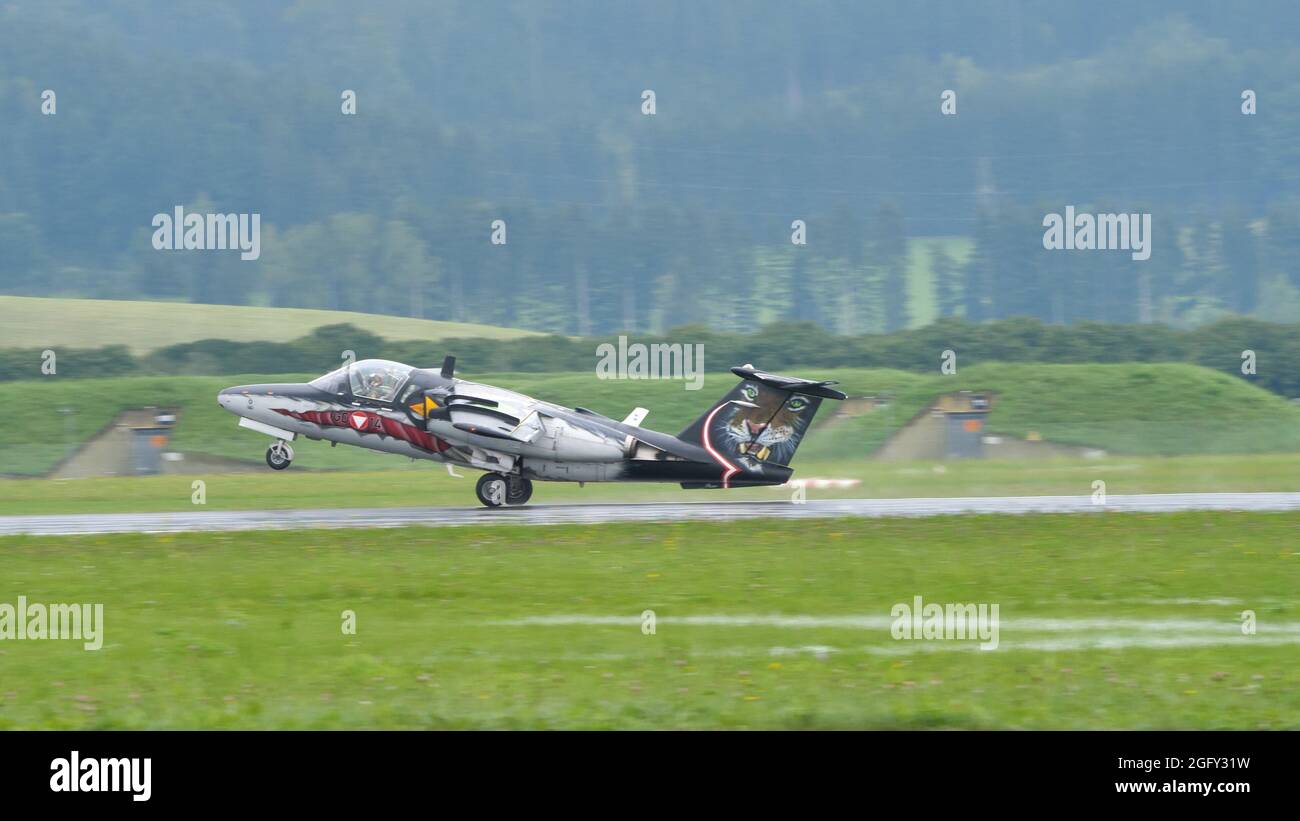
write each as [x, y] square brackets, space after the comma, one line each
[448, 367]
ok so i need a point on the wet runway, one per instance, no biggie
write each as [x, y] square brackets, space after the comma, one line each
[204, 520]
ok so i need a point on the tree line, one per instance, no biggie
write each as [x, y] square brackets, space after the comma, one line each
[1263, 353]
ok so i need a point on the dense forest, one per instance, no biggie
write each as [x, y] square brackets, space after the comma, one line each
[616, 219]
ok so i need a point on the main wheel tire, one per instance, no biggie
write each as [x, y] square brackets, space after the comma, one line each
[279, 456]
[518, 490]
[492, 489]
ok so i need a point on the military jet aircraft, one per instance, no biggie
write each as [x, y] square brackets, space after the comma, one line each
[746, 438]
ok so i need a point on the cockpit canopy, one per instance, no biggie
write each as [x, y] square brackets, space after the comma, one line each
[377, 379]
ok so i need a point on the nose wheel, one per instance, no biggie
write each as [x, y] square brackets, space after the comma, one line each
[495, 490]
[279, 455]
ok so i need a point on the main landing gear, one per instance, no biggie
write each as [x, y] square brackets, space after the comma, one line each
[495, 489]
[279, 455]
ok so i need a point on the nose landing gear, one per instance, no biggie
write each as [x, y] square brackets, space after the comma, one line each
[279, 455]
[494, 489]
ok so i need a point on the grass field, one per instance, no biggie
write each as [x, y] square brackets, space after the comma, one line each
[35, 322]
[1107, 621]
[427, 484]
[1132, 409]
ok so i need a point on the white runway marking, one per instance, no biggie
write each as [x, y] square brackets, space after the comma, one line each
[1227, 626]
[1043, 635]
[1077, 643]
[894, 649]
[61, 525]
[1219, 602]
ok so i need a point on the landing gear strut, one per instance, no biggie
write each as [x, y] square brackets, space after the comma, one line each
[279, 455]
[495, 490]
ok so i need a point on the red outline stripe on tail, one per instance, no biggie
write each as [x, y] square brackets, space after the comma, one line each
[731, 470]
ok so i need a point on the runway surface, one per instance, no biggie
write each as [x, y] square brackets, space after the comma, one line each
[200, 520]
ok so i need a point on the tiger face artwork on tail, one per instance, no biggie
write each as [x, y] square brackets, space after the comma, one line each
[763, 425]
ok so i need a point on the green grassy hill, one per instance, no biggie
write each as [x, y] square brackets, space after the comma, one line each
[34, 322]
[1141, 409]
[1131, 408]
[35, 445]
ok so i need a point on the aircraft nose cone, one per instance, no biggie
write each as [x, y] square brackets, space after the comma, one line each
[226, 398]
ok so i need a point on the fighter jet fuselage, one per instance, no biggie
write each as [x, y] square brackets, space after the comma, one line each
[745, 439]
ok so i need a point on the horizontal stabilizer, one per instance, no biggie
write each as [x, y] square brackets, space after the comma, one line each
[790, 383]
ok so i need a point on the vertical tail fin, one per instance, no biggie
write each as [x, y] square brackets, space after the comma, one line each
[760, 421]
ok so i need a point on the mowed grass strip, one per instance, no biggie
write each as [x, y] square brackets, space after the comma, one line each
[142, 326]
[244, 630]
